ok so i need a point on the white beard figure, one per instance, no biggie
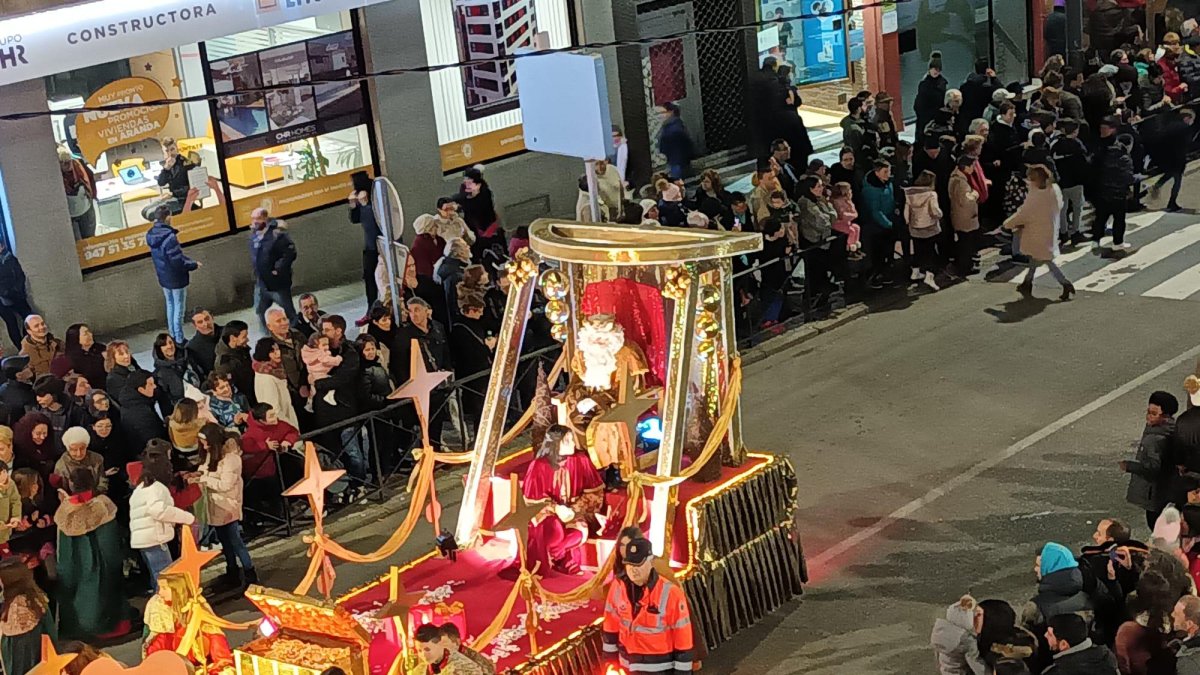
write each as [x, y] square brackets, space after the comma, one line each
[599, 341]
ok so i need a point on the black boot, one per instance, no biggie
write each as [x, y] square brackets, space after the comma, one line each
[249, 577]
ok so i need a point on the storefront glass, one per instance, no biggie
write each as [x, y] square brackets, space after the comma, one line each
[815, 47]
[288, 150]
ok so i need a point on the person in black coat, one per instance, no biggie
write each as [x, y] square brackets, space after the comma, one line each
[16, 394]
[273, 253]
[674, 142]
[977, 92]
[141, 418]
[768, 103]
[202, 348]
[474, 344]
[14, 304]
[343, 382]
[1054, 30]
[431, 339]
[363, 214]
[1169, 149]
[478, 208]
[931, 94]
[1112, 174]
[234, 358]
[172, 368]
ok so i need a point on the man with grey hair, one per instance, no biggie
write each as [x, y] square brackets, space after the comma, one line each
[1185, 619]
[272, 254]
[432, 340]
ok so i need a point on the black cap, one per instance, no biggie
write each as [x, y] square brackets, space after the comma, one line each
[638, 551]
[1107, 121]
[11, 365]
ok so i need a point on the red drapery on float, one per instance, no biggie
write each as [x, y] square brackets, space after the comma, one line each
[639, 309]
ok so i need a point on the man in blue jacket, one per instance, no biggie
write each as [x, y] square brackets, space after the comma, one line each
[878, 212]
[272, 253]
[172, 267]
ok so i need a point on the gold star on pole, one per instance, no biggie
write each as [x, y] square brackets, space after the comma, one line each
[191, 559]
[315, 481]
[52, 662]
[400, 601]
[521, 513]
[630, 405]
[420, 385]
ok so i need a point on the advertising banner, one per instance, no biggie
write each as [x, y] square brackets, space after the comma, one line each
[121, 245]
[64, 39]
[476, 107]
[100, 131]
[297, 198]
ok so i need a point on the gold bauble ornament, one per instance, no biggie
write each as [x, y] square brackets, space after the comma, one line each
[554, 286]
[557, 311]
[707, 326]
[706, 348]
[559, 332]
[710, 297]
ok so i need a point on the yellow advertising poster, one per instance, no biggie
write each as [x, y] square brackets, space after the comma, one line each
[108, 248]
[476, 149]
[298, 197]
[99, 131]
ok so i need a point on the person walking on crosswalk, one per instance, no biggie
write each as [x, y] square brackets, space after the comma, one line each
[1037, 222]
[1112, 172]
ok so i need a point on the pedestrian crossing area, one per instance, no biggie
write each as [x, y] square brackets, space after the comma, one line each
[1164, 261]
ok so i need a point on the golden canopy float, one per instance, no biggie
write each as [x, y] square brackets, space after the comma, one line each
[646, 318]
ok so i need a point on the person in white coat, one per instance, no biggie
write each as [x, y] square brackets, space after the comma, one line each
[270, 380]
[220, 476]
[152, 511]
[1036, 220]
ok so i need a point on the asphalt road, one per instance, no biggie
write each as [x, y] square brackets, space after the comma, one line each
[939, 443]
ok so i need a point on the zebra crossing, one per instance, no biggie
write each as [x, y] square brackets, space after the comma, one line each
[1163, 263]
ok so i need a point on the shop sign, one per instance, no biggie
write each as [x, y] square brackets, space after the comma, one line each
[113, 247]
[99, 131]
[77, 36]
[298, 197]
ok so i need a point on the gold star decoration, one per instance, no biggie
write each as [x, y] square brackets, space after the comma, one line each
[52, 662]
[521, 513]
[400, 601]
[315, 481]
[421, 382]
[191, 559]
[630, 405]
[176, 82]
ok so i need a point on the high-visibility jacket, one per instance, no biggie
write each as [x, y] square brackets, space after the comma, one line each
[655, 634]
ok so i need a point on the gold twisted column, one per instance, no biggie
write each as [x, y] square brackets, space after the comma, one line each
[495, 404]
[729, 303]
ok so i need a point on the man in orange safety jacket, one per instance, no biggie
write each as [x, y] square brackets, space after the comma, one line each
[646, 620]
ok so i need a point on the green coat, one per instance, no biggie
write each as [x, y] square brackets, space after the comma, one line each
[10, 507]
[21, 653]
[91, 601]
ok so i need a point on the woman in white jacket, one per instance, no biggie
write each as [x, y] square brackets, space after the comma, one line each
[221, 477]
[270, 380]
[152, 511]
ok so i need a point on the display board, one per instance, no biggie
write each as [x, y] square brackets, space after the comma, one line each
[475, 107]
[256, 121]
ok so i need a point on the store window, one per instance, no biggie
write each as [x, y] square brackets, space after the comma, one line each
[289, 150]
[115, 166]
[814, 47]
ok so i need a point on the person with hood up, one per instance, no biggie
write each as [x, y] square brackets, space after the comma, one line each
[1073, 651]
[955, 642]
[931, 93]
[1149, 471]
[172, 268]
[1035, 230]
[923, 215]
[1060, 589]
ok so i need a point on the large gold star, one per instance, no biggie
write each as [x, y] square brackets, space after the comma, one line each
[630, 406]
[421, 382]
[191, 559]
[521, 513]
[400, 601]
[315, 481]
[52, 662]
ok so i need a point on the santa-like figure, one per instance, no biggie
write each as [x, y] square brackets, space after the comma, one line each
[601, 354]
[576, 492]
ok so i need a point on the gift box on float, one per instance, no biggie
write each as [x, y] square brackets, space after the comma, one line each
[438, 614]
[302, 636]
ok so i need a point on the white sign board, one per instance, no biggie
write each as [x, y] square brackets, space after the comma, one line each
[68, 38]
[564, 104]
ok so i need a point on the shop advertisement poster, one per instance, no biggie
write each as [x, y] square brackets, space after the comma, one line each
[69, 38]
[100, 131]
[291, 199]
[257, 121]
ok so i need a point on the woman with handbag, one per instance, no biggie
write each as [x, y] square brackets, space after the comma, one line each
[80, 187]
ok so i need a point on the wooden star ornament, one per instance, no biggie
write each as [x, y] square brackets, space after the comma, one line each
[400, 601]
[420, 385]
[521, 513]
[315, 481]
[191, 559]
[630, 405]
[52, 662]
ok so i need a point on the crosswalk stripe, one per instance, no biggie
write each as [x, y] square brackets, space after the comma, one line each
[1178, 287]
[1121, 269]
[1134, 223]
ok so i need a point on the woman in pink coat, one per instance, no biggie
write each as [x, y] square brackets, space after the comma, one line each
[1036, 220]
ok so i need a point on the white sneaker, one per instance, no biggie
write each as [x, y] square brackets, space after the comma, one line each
[929, 281]
[1123, 246]
[329, 398]
[916, 275]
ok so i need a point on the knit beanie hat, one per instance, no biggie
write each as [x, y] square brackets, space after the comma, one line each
[935, 60]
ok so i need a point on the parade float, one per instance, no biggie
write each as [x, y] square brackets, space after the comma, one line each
[646, 319]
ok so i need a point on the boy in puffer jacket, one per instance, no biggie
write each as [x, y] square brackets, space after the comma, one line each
[953, 640]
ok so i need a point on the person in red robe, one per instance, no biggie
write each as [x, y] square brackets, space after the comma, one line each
[569, 480]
